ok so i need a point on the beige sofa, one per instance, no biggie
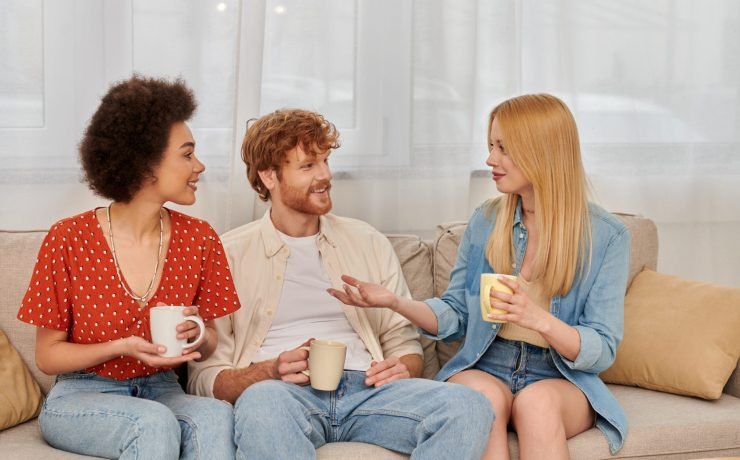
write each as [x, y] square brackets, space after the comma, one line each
[661, 425]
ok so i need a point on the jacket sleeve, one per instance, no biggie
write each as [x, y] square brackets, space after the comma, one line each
[601, 325]
[452, 309]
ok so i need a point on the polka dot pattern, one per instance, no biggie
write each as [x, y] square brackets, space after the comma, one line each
[74, 287]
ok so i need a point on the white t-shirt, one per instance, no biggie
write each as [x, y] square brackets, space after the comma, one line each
[306, 310]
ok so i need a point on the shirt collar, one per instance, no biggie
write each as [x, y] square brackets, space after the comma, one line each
[273, 244]
[518, 213]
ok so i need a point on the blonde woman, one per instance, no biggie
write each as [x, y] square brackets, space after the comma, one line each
[564, 319]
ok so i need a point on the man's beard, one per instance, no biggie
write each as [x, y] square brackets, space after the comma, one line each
[301, 201]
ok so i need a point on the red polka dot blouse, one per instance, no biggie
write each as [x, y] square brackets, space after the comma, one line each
[74, 286]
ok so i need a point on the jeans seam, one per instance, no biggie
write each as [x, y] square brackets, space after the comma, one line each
[393, 413]
[193, 429]
[59, 413]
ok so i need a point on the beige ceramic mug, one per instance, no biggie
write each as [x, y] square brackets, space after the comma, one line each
[325, 364]
[163, 322]
[490, 281]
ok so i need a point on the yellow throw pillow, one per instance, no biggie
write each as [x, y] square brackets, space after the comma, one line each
[20, 396]
[680, 336]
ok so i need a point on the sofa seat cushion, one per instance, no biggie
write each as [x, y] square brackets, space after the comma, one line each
[356, 451]
[662, 424]
[24, 442]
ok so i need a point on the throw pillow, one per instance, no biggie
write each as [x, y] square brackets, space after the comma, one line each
[20, 396]
[680, 336]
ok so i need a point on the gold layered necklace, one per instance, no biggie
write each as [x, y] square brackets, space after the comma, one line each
[139, 298]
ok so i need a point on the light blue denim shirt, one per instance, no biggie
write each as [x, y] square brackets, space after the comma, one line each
[594, 306]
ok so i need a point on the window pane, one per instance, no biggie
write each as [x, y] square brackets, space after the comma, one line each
[199, 44]
[309, 58]
[21, 72]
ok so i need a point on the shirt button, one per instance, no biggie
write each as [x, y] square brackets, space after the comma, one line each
[521, 235]
[277, 277]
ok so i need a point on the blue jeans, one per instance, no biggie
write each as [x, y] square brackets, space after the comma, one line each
[139, 418]
[517, 363]
[424, 418]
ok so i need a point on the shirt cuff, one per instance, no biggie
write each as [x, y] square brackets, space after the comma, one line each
[446, 319]
[590, 350]
[201, 384]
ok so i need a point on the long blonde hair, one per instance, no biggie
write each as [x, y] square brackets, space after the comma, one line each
[542, 140]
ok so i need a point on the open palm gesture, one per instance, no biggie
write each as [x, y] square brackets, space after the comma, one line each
[366, 295]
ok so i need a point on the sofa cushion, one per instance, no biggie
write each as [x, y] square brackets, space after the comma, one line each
[416, 262]
[733, 385]
[680, 336]
[20, 396]
[19, 251]
[664, 425]
[644, 249]
[445, 246]
[24, 442]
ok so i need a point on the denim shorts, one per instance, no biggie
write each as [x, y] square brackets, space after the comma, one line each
[517, 363]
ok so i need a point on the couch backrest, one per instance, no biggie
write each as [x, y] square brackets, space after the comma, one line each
[415, 256]
[643, 253]
[426, 266]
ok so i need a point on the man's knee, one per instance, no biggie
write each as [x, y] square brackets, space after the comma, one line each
[467, 403]
[264, 401]
[209, 415]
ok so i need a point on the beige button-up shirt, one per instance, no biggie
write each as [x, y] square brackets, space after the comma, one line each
[258, 258]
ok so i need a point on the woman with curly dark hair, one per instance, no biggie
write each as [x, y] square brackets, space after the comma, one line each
[99, 273]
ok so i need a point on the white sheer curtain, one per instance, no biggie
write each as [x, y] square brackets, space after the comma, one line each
[654, 86]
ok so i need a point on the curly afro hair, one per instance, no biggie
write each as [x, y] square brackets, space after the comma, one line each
[128, 134]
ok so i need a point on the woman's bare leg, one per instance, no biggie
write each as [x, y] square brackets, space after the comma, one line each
[545, 414]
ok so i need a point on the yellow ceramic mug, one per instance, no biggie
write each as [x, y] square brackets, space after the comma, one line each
[490, 281]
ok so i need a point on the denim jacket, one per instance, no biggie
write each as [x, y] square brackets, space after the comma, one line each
[594, 306]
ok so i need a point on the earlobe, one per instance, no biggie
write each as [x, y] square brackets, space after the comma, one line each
[268, 177]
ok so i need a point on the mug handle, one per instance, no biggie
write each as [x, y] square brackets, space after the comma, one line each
[201, 326]
[305, 371]
[487, 295]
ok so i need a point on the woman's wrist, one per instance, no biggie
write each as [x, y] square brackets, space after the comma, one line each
[121, 347]
[396, 305]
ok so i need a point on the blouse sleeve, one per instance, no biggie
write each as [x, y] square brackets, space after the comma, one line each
[216, 295]
[47, 302]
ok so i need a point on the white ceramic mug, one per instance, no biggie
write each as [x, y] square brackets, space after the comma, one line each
[325, 364]
[164, 320]
[490, 281]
